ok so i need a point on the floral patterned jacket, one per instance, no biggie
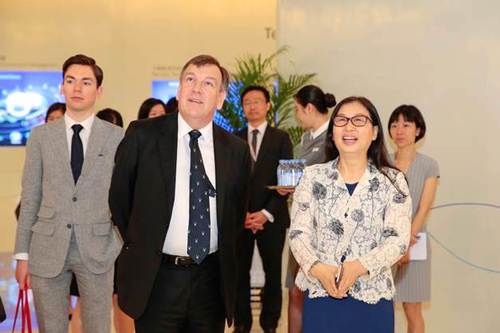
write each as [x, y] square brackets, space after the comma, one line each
[372, 225]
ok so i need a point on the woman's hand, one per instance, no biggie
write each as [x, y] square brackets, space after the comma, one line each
[351, 271]
[413, 238]
[404, 259]
[326, 275]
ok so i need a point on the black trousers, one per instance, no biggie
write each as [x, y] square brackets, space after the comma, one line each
[270, 242]
[185, 299]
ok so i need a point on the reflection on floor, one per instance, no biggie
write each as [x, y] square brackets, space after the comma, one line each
[9, 294]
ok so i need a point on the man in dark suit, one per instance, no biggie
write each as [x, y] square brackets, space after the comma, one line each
[267, 217]
[178, 197]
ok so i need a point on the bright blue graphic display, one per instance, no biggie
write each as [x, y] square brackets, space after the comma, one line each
[24, 99]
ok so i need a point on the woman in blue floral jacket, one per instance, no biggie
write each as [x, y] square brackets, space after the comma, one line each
[350, 222]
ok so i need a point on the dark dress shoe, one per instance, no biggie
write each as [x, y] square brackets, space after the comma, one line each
[241, 329]
[270, 330]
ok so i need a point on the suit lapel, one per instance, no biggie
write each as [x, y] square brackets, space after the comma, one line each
[221, 161]
[167, 147]
[243, 134]
[60, 145]
[97, 139]
[264, 145]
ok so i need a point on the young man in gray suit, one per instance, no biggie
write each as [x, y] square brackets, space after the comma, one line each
[65, 223]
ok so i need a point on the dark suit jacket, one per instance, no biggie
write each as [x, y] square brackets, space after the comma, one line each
[276, 145]
[141, 199]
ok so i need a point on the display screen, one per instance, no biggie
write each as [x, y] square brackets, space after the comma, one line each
[24, 99]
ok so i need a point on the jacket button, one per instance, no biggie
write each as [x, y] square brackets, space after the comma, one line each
[159, 252]
[74, 199]
[68, 226]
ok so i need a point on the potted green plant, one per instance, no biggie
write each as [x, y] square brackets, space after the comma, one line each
[259, 70]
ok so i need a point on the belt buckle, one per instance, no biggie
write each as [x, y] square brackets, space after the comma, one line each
[176, 261]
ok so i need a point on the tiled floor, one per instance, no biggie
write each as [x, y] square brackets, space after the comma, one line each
[282, 328]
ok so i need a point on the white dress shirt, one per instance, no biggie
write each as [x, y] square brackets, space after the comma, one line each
[84, 133]
[319, 131]
[84, 136]
[262, 130]
[177, 234]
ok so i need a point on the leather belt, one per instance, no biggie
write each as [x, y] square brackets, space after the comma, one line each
[181, 260]
[177, 260]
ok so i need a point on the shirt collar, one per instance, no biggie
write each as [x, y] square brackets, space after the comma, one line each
[320, 130]
[370, 173]
[261, 128]
[184, 129]
[87, 123]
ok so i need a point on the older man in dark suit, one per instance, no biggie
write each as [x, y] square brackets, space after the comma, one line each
[178, 198]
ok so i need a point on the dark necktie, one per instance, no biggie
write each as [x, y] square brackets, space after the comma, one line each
[255, 132]
[200, 189]
[76, 152]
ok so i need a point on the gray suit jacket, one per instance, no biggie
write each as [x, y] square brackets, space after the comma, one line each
[313, 151]
[52, 204]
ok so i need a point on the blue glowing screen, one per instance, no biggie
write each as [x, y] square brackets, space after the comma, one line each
[24, 99]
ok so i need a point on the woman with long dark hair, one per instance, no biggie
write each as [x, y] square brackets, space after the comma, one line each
[350, 224]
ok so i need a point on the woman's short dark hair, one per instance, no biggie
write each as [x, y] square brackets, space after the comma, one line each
[55, 107]
[377, 152]
[147, 105]
[263, 90]
[110, 115]
[411, 114]
[312, 94]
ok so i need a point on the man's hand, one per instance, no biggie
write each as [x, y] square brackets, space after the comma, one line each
[22, 274]
[255, 221]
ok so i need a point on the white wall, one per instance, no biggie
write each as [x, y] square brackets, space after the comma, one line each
[444, 57]
[133, 41]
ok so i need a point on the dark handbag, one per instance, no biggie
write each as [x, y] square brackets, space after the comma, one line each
[2, 311]
[22, 302]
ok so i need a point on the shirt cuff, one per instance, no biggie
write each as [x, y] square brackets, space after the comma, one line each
[268, 215]
[21, 256]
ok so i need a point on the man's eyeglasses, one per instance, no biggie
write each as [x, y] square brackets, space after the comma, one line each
[358, 121]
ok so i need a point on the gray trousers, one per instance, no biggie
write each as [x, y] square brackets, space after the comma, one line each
[51, 296]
